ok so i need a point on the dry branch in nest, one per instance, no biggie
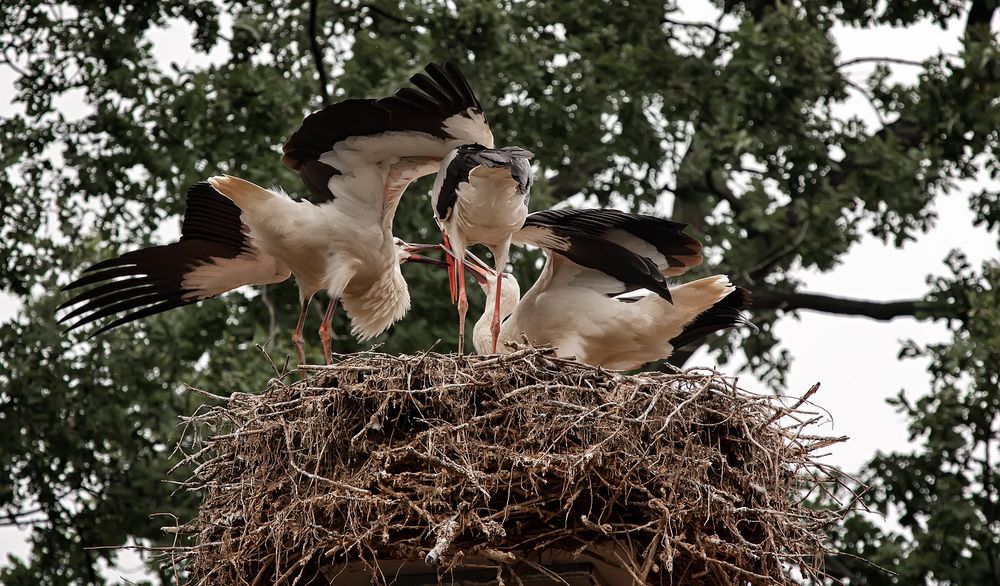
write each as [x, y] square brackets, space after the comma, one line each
[671, 478]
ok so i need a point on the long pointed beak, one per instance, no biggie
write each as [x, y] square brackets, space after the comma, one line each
[412, 251]
[414, 248]
[479, 269]
[482, 274]
[478, 262]
[472, 261]
[425, 260]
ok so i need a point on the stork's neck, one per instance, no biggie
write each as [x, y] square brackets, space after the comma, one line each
[510, 296]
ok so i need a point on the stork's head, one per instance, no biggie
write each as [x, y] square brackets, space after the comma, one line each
[510, 296]
[406, 252]
[510, 291]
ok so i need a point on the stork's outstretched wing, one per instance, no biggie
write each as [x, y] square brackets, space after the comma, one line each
[215, 254]
[406, 134]
[610, 251]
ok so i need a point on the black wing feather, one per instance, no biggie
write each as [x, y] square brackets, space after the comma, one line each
[666, 236]
[468, 95]
[634, 271]
[468, 157]
[151, 310]
[585, 236]
[438, 95]
[150, 280]
[724, 314]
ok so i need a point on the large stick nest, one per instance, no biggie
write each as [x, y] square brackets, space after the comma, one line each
[674, 478]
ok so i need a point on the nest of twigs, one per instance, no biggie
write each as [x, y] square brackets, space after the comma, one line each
[670, 478]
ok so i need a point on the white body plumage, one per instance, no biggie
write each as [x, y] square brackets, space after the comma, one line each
[610, 333]
[352, 259]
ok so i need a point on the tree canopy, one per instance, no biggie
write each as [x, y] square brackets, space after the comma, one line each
[734, 121]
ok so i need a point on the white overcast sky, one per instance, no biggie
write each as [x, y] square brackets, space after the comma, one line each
[853, 358]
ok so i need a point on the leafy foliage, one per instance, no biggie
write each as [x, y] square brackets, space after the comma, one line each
[736, 121]
[943, 498]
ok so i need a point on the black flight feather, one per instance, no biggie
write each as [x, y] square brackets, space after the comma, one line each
[438, 94]
[666, 236]
[149, 280]
[724, 314]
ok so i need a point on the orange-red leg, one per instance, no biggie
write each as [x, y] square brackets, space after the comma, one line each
[451, 265]
[495, 326]
[463, 306]
[326, 330]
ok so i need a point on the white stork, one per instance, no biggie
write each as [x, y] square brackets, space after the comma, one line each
[357, 157]
[602, 297]
[216, 253]
[480, 196]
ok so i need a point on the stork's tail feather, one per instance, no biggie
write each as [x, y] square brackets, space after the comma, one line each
[245, 194]
[726, 313]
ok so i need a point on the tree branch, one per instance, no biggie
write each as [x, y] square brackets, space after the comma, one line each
[317, 53]
[880, 310]
[701, 25]
[10, 63]
[892, 60]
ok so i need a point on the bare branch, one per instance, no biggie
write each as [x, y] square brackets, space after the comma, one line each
[10, 63]
[701, 25]
[893, 60]
[870, 98]
[724, 193]
[881, 310]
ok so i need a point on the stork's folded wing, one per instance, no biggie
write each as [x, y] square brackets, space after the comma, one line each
[612, 251]
[662, 241]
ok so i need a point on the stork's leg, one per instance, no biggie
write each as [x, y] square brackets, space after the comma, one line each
[451, 264]
[495, 326]
[500, 264]
[297, 339]
[326, 329]
[463, 304]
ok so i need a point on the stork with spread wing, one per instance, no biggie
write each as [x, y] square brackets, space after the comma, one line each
[356, 157]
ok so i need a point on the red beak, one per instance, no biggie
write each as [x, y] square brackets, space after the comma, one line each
[414, 249]
[480, 270]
